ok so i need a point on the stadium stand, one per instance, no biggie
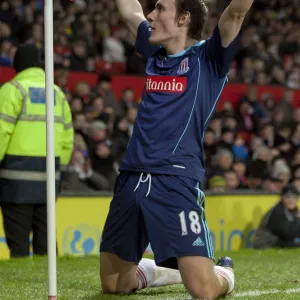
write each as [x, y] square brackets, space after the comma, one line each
[254, 143]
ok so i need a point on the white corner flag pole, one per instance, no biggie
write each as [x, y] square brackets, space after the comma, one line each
[51, 212]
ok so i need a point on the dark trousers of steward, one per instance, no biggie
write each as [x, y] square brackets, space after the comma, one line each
[19, 220]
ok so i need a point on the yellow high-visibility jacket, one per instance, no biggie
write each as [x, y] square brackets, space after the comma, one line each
[23, 137]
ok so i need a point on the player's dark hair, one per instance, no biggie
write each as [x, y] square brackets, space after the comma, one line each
[199, 15]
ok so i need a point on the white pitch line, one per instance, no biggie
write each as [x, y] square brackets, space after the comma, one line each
[258, 293]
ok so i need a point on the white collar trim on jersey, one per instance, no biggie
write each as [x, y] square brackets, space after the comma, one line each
[185, 50]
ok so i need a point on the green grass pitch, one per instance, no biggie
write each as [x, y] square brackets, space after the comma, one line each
[272, 274]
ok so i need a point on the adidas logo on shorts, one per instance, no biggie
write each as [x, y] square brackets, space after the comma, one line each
[198, 242]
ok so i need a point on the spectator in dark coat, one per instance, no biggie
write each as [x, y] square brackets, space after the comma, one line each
[280, 227]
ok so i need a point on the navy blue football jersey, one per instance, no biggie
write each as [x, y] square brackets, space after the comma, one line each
[179, 98]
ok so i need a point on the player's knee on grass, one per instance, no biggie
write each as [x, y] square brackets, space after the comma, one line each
[204, 289]
[116, 275]
[108, 288]
[199, 277]
[204, 295]
[117, 288]
[124, 285]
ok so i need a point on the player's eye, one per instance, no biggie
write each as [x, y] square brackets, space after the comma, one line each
[160, 8]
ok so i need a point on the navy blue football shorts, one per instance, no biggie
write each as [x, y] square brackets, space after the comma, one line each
[165, 210]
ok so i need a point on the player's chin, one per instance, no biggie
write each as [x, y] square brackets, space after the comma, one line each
[154, 40]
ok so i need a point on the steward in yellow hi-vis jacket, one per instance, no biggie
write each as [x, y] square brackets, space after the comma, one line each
[23, 152]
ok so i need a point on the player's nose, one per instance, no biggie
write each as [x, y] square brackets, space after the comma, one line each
[150, 17]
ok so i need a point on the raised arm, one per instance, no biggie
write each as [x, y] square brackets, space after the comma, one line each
[231, 20]
[132, 13]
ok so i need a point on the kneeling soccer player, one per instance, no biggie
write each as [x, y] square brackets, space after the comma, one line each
[157, 196]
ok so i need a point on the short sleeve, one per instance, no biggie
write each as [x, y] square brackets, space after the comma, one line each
[142, 44]
[217, 58]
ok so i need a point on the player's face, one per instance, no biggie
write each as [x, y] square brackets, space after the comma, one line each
[163, 22]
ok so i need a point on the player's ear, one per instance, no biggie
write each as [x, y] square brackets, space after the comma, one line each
[184, 19]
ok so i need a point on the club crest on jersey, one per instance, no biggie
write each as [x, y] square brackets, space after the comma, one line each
[184, 67]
